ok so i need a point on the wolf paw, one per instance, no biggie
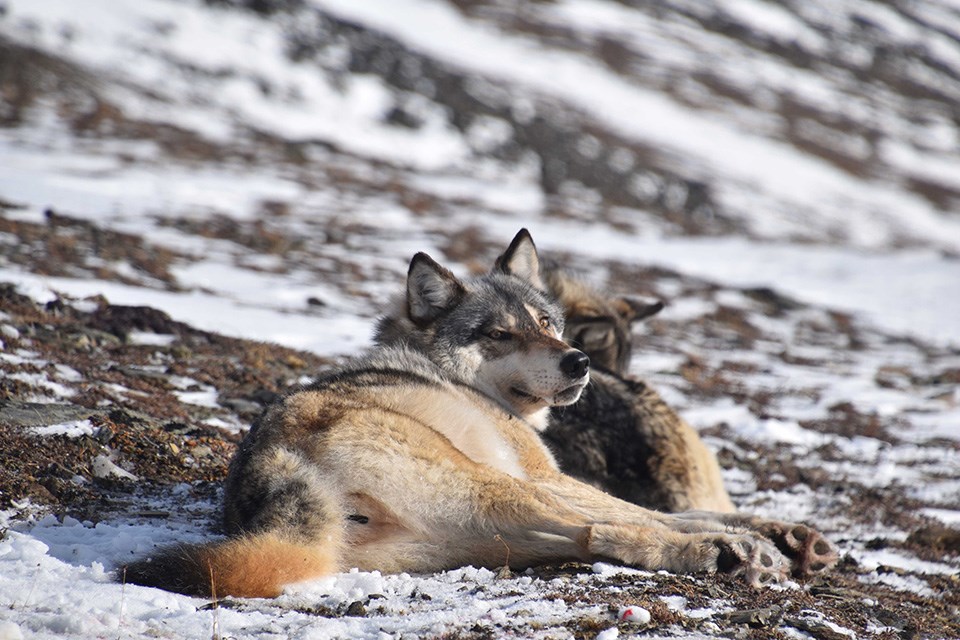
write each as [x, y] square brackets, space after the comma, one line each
[758, 561]
[808, 550]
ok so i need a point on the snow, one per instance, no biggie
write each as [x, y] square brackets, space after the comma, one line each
[609, 634]
[749, 162]
[148, 338]
[57, 577]
[73, 429]
[326, 336]
[946, 516]
[103, 467]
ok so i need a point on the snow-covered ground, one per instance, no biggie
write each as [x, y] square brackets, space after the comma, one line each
[365, 193]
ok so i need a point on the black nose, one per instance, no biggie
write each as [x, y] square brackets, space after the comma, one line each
[575, 364]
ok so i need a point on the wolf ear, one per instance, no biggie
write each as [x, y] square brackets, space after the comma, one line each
[633, 310]
[521, 260]
[431, 289]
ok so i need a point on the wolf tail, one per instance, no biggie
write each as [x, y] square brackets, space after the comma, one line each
[252, 565]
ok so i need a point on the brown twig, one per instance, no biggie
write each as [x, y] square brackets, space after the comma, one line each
[504, 571]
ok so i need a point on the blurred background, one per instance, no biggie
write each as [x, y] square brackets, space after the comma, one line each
[291, 154]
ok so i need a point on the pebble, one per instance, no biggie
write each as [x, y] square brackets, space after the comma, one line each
[103, 467]
[634, 614]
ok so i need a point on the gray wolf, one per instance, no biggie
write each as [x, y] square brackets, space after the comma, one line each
[621, 436]
[425, 455]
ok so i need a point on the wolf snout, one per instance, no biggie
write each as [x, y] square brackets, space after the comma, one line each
[575, 365]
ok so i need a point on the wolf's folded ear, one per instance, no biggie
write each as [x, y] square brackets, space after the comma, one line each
[633, 310]
[431, 290]
[521, 260]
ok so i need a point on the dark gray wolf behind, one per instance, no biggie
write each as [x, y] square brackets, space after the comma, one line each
[621, 436]
[425, 455]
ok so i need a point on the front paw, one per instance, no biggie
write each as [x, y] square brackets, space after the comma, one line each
[808, 550]
[758, 561]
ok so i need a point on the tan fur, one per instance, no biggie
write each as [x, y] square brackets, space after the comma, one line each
[392, 464]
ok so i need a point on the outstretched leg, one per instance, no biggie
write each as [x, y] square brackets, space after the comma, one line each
[490, 519]
[808, 551]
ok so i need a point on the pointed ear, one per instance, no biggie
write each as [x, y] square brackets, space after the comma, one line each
[431, 290]
[633, 310]
[521, 260]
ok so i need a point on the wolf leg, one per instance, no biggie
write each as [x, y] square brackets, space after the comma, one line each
[525, 523]
[648, 540]
[480, 516]
[808, 551]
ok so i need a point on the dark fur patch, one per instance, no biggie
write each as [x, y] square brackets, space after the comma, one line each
[176, 568]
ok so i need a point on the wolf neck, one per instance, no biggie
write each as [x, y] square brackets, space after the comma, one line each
[538, 419]
[452, 408]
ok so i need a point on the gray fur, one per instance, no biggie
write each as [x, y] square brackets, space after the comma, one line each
[485, 300]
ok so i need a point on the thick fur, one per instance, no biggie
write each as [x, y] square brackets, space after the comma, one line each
[621, 436]
[424, 455]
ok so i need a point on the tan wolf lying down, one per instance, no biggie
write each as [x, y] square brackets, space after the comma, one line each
[425, 455]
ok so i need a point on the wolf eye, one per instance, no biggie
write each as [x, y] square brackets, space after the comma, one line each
[544, 322]
[497, 334]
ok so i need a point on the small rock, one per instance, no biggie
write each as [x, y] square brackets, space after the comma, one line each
[356, 610]
[30, 414]
[240, 405]
[634, 614]
[765, 617]
[103, 467]
[201, 451]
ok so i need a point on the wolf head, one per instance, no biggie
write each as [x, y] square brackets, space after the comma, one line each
[500, 332]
